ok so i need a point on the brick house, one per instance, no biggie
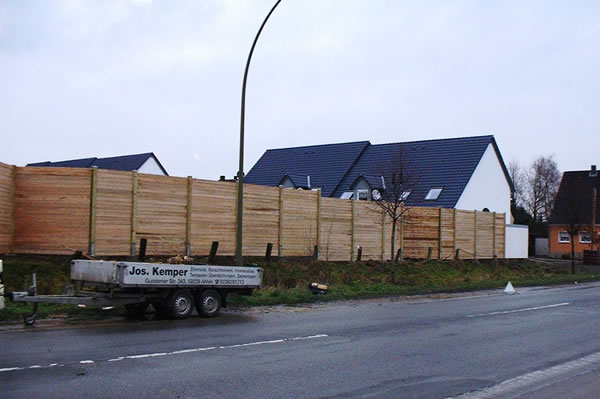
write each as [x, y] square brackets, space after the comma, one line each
[575, 217]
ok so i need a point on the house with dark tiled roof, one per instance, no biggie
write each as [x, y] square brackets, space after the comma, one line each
[576, 208]
[465, 173]
[143, 163]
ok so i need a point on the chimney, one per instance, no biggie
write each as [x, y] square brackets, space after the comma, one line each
[222, 178]
[593, 171]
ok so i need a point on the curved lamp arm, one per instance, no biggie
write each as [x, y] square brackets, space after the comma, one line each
[239, 260]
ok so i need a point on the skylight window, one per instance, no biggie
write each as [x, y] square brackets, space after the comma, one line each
[347, 195]
[433, 194]
[404, 195]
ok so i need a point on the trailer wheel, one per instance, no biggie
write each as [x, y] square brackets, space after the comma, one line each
[208, 303]
[180, 304]
[136, 310]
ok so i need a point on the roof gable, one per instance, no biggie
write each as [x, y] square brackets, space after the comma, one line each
[574, 200]
[74, 163]
[444, 163]
[325, 164]
[123, 162]
[336, 168]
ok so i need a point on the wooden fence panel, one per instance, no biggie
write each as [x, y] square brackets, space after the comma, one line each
[336, 229]
[52, 210]
[53, 207]
[500, 235]
[485, 235]
[7, 207]
[465, 233]
[448, 250]
[213, 216]
[261, 219]
[161, 213]
[368, 229]
[113, 212]
[299, 231]
[421, 232]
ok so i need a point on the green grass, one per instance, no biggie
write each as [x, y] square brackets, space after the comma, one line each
[286, 282]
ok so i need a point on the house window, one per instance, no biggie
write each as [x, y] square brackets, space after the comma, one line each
[347, 195]
[404, 195]
[585, 237]
[362, 195]
[433, 194]
[563, 237]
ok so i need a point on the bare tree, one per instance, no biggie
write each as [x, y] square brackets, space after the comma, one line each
[517, 175]
[572, 212]
[400, 181]
[541, 185]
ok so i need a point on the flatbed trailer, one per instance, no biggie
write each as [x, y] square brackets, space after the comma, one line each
[172, 289]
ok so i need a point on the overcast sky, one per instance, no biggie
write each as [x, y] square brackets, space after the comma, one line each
[104, 78]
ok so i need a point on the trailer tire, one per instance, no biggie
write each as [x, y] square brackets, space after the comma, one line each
[208, 303]
[136, 310]
[180, 304]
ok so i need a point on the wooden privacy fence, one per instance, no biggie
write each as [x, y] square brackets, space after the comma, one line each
[54, 210]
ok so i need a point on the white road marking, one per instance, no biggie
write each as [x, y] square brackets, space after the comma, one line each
[11, 369]
[146, 355]
[179, 352]
[309, 337]
[192, 350]
[519, 310]
[277, 341]
[550, 375]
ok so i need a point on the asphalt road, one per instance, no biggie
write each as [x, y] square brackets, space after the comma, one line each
[540, 343]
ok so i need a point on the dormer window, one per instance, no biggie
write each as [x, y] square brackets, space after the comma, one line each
[433, 194]
[362, 195]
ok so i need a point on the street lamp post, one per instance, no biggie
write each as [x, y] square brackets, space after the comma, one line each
[239, 260]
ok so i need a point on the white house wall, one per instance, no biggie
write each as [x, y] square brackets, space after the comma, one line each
[488, 187]
[151, 167]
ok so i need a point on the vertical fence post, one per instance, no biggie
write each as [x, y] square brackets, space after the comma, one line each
[475, 235]
[134, 201]
[280, 228]
[93, 193]
[383, 235]
[318, 224]
[188, 217]
[440, 235]
[504, 246]
[352, 230]
[454, 214]
[494, 236]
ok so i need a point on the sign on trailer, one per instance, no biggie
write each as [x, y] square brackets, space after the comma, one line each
[165, 274]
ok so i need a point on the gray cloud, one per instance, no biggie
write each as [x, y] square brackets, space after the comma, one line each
[108, 78]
